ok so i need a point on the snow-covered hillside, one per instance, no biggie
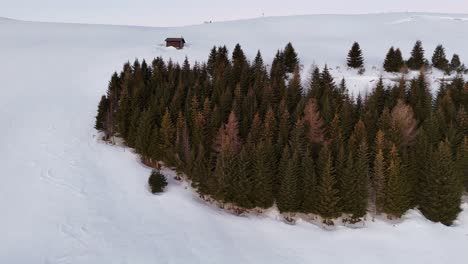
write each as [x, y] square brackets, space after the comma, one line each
[66, 197]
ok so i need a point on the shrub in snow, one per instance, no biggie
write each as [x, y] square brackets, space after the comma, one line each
[157, 182]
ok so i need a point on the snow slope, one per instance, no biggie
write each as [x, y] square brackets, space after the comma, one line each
[65, 197]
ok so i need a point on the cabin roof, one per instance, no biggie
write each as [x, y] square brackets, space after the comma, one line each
[176, 39]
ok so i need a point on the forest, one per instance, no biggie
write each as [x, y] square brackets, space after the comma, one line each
[253, 136]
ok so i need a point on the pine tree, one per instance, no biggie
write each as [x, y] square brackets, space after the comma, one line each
[328, 199]
[443, 193]
[417, 60]
[395, 194]
[355, 59]
[439, 60]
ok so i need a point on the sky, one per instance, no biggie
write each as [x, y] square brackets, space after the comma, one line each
[187, 12]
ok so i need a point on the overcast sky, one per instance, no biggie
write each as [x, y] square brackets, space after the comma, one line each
[183, 12]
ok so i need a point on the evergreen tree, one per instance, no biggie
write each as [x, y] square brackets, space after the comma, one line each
[417, 60]
[378, 179]
[310, 195]
[355, 59]
[462, 163]
[420, 98]
[395, 194]
[157, 182]
[443, 193]
[388, 63]
[291, 60]
[398, 61]
[439, 60]
[101, 114]
[393, 61]
[294, 90]
[263, 183]
[455, 62]
[144, 131]
[242, 184]
[288, 192]
[167, 133]
[328, 199]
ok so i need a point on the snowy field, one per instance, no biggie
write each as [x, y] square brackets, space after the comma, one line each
[65, 197]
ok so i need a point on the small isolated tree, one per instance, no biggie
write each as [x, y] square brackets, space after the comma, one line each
[355, 59]
[439, 60]
[417, 60]
[388, 63]
[157, 182]
[393, 61]
[291, 60]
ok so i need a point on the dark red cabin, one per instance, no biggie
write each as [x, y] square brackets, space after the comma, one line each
[175, 42]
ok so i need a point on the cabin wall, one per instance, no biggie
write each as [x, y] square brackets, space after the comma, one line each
[177, 44]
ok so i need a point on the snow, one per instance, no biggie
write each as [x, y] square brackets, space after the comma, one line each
[67, 197]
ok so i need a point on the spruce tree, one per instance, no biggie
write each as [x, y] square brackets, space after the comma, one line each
[378, 179]
[417, 60]
[439, 60]
[398, 61]
[442, 188]
[294, 90]
[144, 131]
[310, 196]
[291, 60]
[462, 163]
[389, 60]
[393, 61]
[263, 183]
[167, 134]
[328, 199]
[355, 59]
[243, 182]
[395, 193]
[288, 192]
[455, 62]
[101, 114]
[157, 182]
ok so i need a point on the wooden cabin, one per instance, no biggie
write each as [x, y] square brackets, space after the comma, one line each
[175, 42]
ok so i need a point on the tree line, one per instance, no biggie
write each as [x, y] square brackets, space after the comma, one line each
[394, 61]
[253, 136]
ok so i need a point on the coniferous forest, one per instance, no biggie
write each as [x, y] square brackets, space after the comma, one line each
[253, 136]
